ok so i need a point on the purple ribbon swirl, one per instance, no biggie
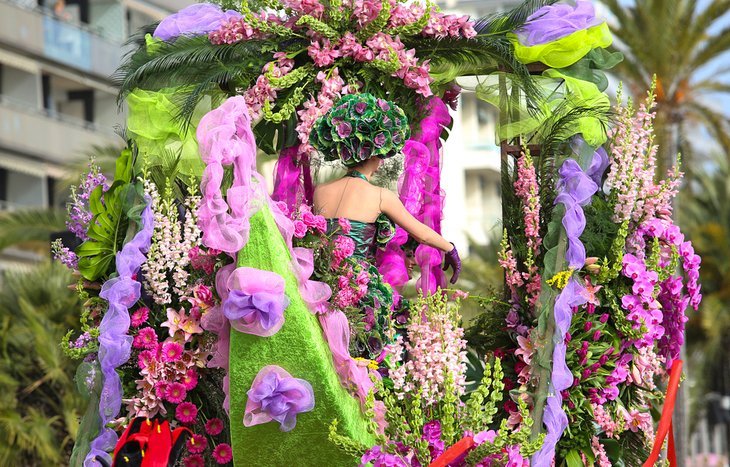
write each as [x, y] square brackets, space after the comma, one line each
[575, 190]
[115, 345]
[553, 22]
[276, 395]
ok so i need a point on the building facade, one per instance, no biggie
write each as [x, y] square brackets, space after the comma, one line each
[57, 100]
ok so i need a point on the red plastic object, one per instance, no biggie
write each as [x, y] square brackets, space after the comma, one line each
[453, 452]
[149, 443]
[665, 422]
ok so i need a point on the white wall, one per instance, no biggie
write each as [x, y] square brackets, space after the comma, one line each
[21, 86]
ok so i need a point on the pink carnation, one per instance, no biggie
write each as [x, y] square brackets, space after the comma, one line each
[223, 453]
[186, 412]
[300, 229]
[139, 317]
[214, 426]
[344, 225]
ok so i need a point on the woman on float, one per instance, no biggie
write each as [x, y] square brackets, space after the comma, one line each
[361, 131]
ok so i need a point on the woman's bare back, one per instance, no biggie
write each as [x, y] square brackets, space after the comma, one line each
[348, 197]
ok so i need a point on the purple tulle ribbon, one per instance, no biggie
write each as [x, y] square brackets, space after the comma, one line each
[420, 191]
[197, 19]
[276, 395]
[575, 190]
[256, 301]
[553, 22]
[115, 346]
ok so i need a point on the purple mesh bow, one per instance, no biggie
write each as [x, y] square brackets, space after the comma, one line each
[276, 395]
[114, 344]
[553, 22]
[256, 301]
[575, 189]
[197, 19]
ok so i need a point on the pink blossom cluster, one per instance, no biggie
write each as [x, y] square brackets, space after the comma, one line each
[333, 87]
[305, 220]
[525, 352]
[263, 91]
[642, 305]
[527, 190]
[202, 260]
[442, 26]
[600, 452]
[607, 423]
[633, 168]
[632, 160]
[237, 29]
[436, 349]
[513, 277]
[168, 372]
[351, 288]
[645, 364]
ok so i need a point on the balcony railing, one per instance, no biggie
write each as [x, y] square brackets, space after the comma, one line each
[47, 135]
[39, 31]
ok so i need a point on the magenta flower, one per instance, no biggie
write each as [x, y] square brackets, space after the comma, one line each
[146, 338]
[175, 393]
[223, 453]
[214, 426]
[197, 443]
[190, 380]
[186, 412]
[196, 460]
[171, 351]
[344, 225]
[300, 229]
[139, 317]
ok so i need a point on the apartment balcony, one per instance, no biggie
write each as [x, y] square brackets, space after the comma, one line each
[38, 32]
[51, 137]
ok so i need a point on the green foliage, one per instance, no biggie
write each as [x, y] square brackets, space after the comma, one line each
[106, 229]
[30, 227]
[39, 408]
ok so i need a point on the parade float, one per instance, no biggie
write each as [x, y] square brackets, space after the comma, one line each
[225, 323]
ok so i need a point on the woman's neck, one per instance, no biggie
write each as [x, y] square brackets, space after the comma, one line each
[364, 172]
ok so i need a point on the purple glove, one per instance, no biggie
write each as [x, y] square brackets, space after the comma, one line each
[452, 259]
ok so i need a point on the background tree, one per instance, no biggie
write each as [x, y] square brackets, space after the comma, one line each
[681, 41]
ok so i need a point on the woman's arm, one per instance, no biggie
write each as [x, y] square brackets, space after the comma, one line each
[393, 208]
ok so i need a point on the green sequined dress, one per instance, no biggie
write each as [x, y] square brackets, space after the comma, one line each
[372, 317]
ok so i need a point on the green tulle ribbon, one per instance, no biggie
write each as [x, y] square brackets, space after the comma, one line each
[153, 126]
[560, 99]
[566, 50]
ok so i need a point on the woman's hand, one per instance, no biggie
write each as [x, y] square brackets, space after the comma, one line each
[451, 259]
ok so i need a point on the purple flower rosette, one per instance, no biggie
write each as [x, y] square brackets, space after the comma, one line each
[115, 346]
[576, 187]
[256, 301]
[553, 22]
[197, 19]
[277, 396]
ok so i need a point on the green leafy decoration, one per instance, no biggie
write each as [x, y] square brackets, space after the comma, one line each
[106, 227]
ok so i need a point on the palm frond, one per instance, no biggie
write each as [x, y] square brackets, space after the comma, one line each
[189, 60]
[30, 226]
[502, 23]
[476, 57]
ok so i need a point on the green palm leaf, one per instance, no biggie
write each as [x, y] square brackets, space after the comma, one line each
[30, 227]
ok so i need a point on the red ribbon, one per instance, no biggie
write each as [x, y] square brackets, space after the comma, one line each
[665, 422]
[453, 453]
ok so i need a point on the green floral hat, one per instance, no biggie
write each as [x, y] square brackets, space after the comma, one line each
[358, 127]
